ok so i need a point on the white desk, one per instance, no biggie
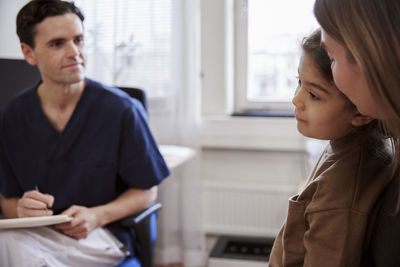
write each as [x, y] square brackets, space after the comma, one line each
[176, 155]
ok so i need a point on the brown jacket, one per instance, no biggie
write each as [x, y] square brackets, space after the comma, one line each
[326, 222]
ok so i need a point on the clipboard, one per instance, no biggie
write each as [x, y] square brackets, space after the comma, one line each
[28, 222]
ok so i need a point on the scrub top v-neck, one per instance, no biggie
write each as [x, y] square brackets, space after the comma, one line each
[48, 129]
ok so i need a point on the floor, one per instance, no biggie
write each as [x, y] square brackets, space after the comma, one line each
[170, 265]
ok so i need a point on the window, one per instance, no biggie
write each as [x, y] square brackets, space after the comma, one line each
[268, 37]
[128, 43]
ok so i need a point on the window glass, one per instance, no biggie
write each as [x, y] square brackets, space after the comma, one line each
[274, 33]
[129, 43]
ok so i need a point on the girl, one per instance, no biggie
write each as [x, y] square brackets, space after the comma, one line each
[326, 222]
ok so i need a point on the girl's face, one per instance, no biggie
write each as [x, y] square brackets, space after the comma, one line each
[349, 78]
[321, 110]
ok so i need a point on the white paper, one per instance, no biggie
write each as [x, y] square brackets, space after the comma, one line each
[33, 221]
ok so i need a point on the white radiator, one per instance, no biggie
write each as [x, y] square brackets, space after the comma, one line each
[244, 209]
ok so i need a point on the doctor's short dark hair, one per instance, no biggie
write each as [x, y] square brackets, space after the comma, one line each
[35, 11]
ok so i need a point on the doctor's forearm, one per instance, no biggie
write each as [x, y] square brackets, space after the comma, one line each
[128, 203]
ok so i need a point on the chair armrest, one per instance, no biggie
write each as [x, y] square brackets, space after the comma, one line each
[141, 216]
[144, 224]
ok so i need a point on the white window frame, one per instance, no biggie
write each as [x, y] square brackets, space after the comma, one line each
[224, 60]
[241, 49]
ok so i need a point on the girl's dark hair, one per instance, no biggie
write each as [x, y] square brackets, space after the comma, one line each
[312, 46]
[36, 11]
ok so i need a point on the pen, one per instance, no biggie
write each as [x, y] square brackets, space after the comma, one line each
[37, 189]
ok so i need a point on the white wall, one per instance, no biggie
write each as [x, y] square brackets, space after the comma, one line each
[9, 46]
[251, 166]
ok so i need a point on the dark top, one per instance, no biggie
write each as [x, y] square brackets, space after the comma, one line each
[105, 148]
[383, 246]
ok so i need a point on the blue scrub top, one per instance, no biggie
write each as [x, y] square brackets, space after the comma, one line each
[105, 148]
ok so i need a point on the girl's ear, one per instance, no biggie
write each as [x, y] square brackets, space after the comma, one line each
[360, 120]
[27, 51]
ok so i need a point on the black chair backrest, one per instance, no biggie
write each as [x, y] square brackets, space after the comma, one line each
[137, 93]
[15, 75]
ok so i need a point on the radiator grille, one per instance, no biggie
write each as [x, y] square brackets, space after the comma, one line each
[244, 209]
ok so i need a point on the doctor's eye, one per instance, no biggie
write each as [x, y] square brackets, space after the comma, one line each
[56, 43]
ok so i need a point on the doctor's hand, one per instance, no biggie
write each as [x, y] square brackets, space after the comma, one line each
[33, 203]
[84, 221]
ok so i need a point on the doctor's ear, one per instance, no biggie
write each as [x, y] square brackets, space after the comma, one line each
[27, 51]
[360, 120]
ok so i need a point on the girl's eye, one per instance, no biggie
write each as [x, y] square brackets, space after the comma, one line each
[314, 97]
